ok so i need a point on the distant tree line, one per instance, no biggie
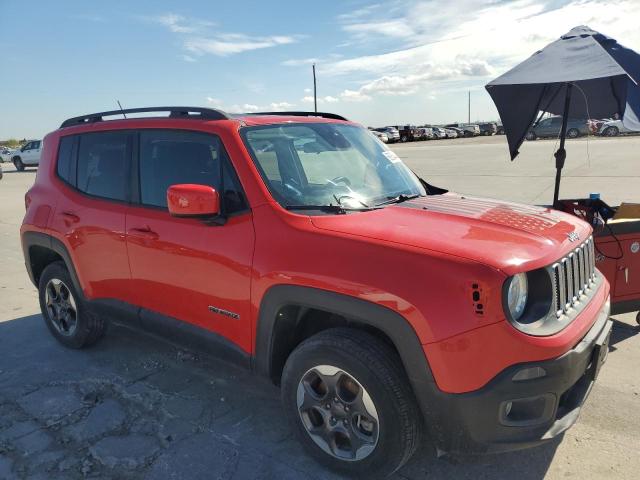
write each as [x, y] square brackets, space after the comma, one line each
[13, 142]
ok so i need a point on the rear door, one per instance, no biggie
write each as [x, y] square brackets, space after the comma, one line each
[186, 268]
[93, 174]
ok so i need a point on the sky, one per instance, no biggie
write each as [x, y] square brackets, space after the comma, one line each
[378, 63]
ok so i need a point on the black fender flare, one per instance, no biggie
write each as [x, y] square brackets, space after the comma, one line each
[391, 323]
[30, 239]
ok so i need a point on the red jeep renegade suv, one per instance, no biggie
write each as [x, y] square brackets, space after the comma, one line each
[301, 246]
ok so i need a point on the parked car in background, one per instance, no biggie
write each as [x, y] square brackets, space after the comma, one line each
[488, 128]
[550, 127]
[425, 133]
[0, 171]
[27, 156]
[408, 133]
[613, 128]
[393, 135]
[381, 136]
[470, 129]
[6, 154]
[451, 133]
[500, 129]
[439, 132]
[459, 131]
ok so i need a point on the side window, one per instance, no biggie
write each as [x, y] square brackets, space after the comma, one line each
[63, 167]
[36, 145]
[103, 166]
[170, 157]
[27, 146]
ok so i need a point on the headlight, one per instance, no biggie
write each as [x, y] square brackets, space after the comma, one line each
[517, 293]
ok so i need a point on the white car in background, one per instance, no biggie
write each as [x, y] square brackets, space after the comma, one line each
[28, 155]
[381, 136]
[450, 133]
[6, 154]
[613, 128]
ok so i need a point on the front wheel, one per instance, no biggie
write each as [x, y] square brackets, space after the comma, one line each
[347, 396]
[531, 136]
[17, 162]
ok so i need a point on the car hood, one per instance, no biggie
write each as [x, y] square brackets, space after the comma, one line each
[508, 236]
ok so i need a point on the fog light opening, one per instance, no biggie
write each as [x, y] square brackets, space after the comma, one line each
[527, 411]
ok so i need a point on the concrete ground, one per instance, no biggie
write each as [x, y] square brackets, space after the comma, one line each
[137, 407]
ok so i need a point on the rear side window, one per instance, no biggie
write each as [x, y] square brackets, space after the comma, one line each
[64, 159]
[170, 157]
[103, 165]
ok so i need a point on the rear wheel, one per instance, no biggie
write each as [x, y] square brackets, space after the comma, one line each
[573, 133]
[531, 136]
[65, 312]
[17, 162]
[347, 397]
[403, 138]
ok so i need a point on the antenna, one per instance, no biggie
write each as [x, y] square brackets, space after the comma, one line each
[122, 109]
[315, 96]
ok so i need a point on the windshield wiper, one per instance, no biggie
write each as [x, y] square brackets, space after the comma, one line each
[399, 199]
[327, 208]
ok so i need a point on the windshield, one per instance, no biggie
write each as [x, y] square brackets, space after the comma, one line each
[328, 164]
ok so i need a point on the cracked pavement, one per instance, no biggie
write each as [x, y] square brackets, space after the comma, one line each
[137, 407]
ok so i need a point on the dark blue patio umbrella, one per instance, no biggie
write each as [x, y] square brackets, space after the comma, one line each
[584, 74]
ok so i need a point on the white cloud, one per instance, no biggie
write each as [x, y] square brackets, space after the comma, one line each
[307, 90]
[198, 39]
[325, 99]
[188, 58]
[231, 43]
[438, 45]
[281, 105]
[248, 107]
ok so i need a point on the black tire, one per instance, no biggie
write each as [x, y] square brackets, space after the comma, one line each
[611, 132]
[404, 138]
[573, 133]
[376, 369]
[638, 318]
[88, 327]
[531, 136]
[17, 162]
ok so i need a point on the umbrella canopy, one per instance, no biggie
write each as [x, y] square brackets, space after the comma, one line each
[604, 73]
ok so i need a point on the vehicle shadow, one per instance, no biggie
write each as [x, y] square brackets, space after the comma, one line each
[621, 331]
[167, 412]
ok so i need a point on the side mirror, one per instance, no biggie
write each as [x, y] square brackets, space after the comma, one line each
[190, 200]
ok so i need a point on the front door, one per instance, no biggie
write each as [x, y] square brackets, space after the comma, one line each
[187, 268]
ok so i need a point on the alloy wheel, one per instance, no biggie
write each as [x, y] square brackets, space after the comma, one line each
[61, 307]
[338, 413]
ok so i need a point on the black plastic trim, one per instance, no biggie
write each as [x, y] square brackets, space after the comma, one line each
[173, 330]
[30, 239]
[333, 116]
[174, 112]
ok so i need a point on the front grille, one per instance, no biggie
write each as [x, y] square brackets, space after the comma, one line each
[574, 276]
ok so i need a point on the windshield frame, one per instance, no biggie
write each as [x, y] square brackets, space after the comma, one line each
[276, 196]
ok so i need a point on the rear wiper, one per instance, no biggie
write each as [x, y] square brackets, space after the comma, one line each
[327, 208]
[399, 199]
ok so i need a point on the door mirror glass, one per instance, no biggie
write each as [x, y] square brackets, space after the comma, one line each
[191, 200]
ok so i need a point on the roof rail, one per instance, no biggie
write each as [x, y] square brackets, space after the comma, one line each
[174, 112]
[334, 116]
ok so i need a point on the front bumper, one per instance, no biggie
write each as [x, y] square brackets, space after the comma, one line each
[508, 414]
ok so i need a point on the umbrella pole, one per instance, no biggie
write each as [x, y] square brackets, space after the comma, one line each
[561, 154]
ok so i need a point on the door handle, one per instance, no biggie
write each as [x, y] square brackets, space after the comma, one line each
[145, 232]
[70, 217]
